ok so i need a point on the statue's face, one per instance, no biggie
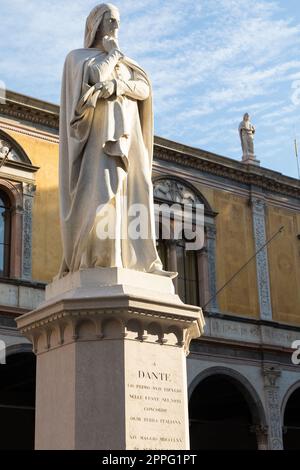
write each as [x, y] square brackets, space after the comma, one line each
[246, 117]
[110, 24]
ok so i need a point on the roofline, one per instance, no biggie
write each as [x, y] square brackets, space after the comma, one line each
[228, 162]
[31, 102]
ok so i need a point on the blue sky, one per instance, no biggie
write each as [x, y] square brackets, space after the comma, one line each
[210, 61]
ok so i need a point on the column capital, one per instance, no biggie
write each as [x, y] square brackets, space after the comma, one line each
[210, 231]
[259, 429]
[271, 375]
[29, 189]
[202, 251]
[261, 432]
[258, 204]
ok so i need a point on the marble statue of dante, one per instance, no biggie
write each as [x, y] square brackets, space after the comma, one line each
[246, 132]
[106, 151]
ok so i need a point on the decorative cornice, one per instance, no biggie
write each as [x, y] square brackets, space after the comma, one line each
[13, 312]
[21, 166]
[234, 170]
[51, 136]
[140, 321]
[30, 109]
[23, 283]
[31, 115]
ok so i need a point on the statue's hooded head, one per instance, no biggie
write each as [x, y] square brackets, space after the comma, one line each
[246, 117]
[94, 21]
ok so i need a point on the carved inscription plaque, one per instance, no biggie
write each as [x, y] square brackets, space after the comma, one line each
[156, 415]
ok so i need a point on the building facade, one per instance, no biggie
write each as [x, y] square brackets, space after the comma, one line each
[244, 380]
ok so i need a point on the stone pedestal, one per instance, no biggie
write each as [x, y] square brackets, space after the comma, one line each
[251, 160]
[111, 349]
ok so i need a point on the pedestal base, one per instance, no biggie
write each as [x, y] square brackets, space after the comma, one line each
[111, 366]
[250, 160]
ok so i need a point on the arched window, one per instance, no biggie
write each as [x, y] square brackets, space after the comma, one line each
[192, 284]
[175, 257]
[291, 436]
[232, 419]
[5, 234]
[11, 149]
[17, 401]
[17, 188]
[188, 279]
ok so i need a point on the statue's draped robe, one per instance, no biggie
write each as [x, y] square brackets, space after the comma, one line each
[247, 140]
[106, 151]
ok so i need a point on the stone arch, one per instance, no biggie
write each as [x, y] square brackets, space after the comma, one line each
[85, 328]
[113, 328]
[19, 348]
[286, 398]
[17, 397]
[155, 331]
[245, 387]
[13, 193]
[134, 329]
[180, 191]
[173, 191]
[290, 415]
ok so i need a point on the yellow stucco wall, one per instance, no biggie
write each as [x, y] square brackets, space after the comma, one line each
[206, 192]
[46, 242]
[234, 247]
[284, 264]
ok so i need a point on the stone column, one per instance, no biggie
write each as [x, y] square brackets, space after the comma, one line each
[111, 349]
[172, 260]
[203, 276]
[262, 269]
[211, 252]
[16, 242]
[271, 375]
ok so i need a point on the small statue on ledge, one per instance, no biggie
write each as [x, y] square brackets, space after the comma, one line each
[246, 132]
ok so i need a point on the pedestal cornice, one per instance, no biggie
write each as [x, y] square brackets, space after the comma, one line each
[136, 313]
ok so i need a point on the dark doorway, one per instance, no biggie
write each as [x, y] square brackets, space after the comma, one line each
[291, 435]
[17, 402]
[220, 417]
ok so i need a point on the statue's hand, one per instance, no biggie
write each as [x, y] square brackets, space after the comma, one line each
[108, 89]
[110, 43]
